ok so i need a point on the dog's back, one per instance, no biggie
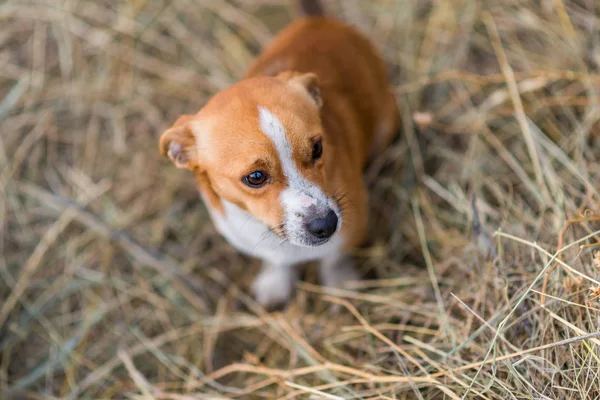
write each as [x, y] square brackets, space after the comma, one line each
[352, 77]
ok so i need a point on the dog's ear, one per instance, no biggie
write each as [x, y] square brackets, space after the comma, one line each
[307, 81]
[179, 143]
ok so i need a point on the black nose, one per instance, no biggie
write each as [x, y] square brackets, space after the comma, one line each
[323, 228]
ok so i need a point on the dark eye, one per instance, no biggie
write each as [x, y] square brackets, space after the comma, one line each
[317, 150]
[255, 179]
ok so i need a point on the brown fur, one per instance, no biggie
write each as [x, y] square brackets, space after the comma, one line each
[314, 60]
[356, 96]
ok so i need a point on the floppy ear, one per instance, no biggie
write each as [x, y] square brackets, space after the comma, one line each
[309, 82]
[179, 143]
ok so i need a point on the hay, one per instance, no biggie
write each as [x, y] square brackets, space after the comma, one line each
[484, 214]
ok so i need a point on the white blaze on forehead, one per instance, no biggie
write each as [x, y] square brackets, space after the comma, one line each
[307, 194]
[273, 128]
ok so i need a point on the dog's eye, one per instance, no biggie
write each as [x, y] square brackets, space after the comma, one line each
[255, 179]
[317, 150]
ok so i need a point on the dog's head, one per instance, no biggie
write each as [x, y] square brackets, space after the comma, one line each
[260, 145]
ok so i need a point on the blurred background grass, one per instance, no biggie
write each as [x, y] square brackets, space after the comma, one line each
[114, 284]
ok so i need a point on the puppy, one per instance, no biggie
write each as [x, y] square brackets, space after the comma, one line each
[278, 157]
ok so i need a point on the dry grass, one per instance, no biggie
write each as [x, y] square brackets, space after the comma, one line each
[484, 213]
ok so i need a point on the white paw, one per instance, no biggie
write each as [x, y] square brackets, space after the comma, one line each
[274, 286]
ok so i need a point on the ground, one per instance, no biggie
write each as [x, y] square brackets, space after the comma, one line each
[482, 272]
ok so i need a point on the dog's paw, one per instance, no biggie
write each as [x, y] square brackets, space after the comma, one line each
[274, 287]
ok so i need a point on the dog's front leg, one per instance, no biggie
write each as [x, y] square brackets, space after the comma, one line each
[337, 269]
[275, 284]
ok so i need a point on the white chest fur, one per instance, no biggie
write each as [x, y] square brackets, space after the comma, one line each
[253, 238]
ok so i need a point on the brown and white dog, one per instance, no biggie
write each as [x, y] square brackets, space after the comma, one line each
[279, 156]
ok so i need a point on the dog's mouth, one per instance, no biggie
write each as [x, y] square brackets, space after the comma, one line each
[317, 243]
[306, 241]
